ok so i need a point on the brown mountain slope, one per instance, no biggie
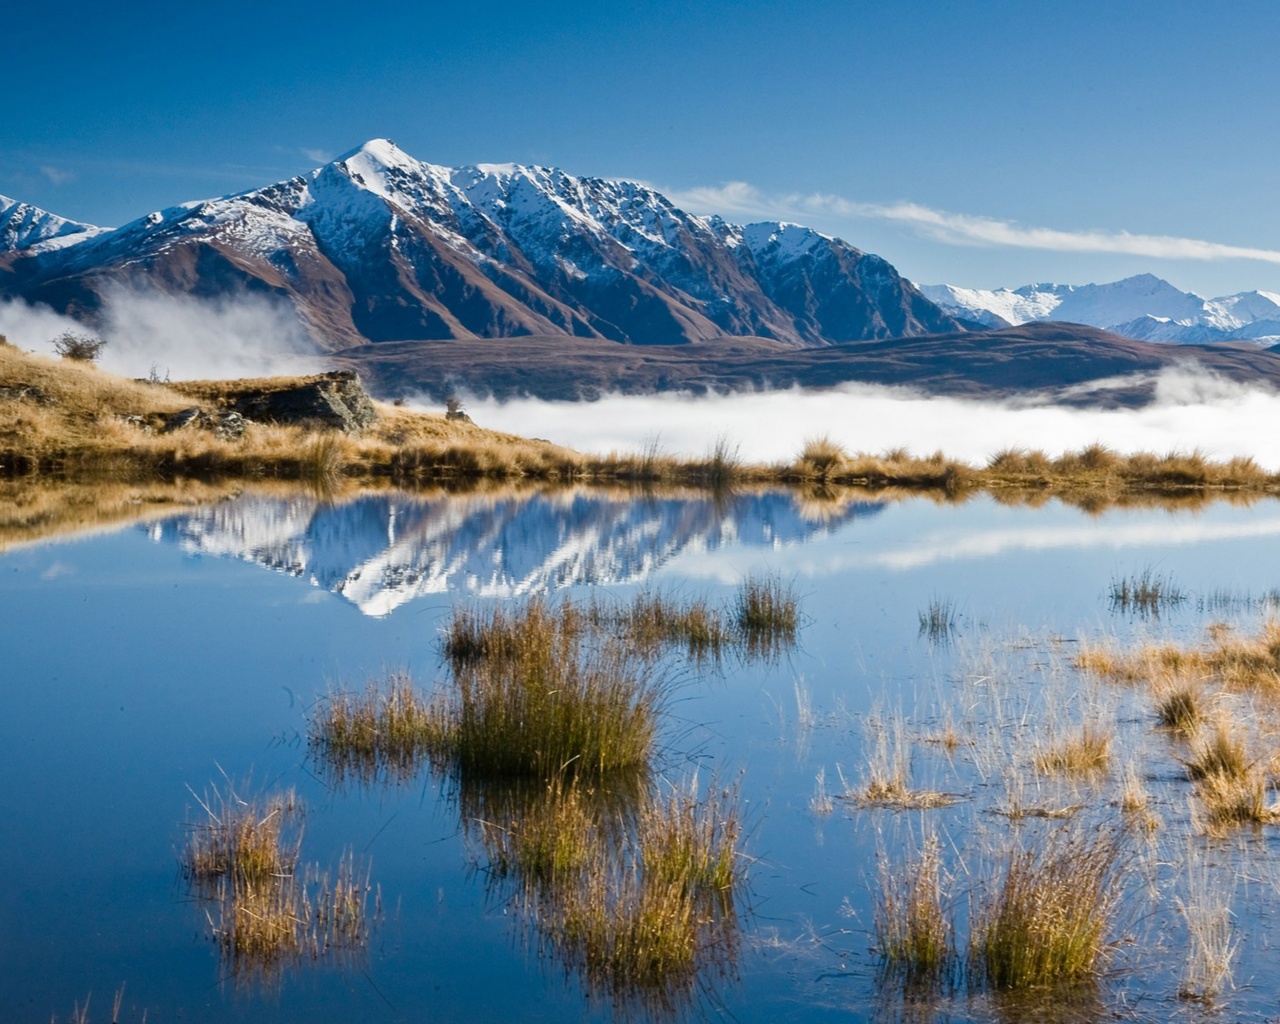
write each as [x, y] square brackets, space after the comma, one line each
[1063, 362]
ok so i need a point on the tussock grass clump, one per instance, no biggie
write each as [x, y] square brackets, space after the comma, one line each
[533, 630]
[1227, 801]
[244, 839]
[820, 459]
[628, 882]
[767, 614]
[644, 916]
[723, 466]
[1145, 594]
[1179, 705]
[263, 928]
[1044, 920]
[1231, 789]
[1219, 751]
[544, 840]
[887, 775]
[914, 933]
[1085, 752]
[383, 734]
[531, 697]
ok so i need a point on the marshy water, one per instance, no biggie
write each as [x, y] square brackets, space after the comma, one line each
[163, 674]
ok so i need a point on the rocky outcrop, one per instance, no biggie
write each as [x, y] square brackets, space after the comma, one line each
[224, 423]
[337, 400]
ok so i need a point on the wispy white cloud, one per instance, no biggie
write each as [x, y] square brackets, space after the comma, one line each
[57, 175]
[738, 198]
[320, 156]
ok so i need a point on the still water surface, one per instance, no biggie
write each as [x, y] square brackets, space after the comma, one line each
[143, 664]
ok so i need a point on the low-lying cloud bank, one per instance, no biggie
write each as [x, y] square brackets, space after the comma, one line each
[1191, 411]
[181, 337]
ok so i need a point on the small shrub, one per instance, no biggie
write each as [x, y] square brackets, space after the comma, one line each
[84, 348]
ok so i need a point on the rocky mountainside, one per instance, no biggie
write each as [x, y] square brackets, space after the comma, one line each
[377, 246]
[1143, 307]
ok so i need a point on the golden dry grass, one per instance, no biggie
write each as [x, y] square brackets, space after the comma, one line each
[92, 423]
[1084, 752]
[1248, 664]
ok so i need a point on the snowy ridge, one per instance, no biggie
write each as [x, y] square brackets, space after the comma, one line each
[25, 227]
[378, 246]
[1144, 307]
[382, 552]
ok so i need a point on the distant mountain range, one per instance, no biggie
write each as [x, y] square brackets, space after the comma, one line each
[1143, 307]
[377, 246]
[593, 285]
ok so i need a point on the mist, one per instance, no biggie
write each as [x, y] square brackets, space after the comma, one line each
[178, 337]
[1192, 410]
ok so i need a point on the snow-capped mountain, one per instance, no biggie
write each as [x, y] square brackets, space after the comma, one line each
[377, 246]
[1143, 307]
[382, 551]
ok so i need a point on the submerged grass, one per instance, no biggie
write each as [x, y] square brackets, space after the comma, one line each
[1145, 594]
[382, 734]
[938, 620]
[264, 911]
[767, 615]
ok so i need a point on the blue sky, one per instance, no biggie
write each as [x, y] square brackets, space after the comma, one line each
[978, 143]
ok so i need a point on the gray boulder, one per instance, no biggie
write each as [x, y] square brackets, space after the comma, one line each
[335, 399]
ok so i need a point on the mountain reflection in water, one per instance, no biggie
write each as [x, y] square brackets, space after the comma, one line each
[380, 551]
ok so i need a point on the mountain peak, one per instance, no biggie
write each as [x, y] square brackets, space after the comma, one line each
[378, 246]
[379, 151]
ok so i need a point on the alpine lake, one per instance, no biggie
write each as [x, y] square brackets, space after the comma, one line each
[895, 766]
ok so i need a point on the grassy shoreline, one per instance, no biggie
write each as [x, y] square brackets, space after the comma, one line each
[75, 422]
